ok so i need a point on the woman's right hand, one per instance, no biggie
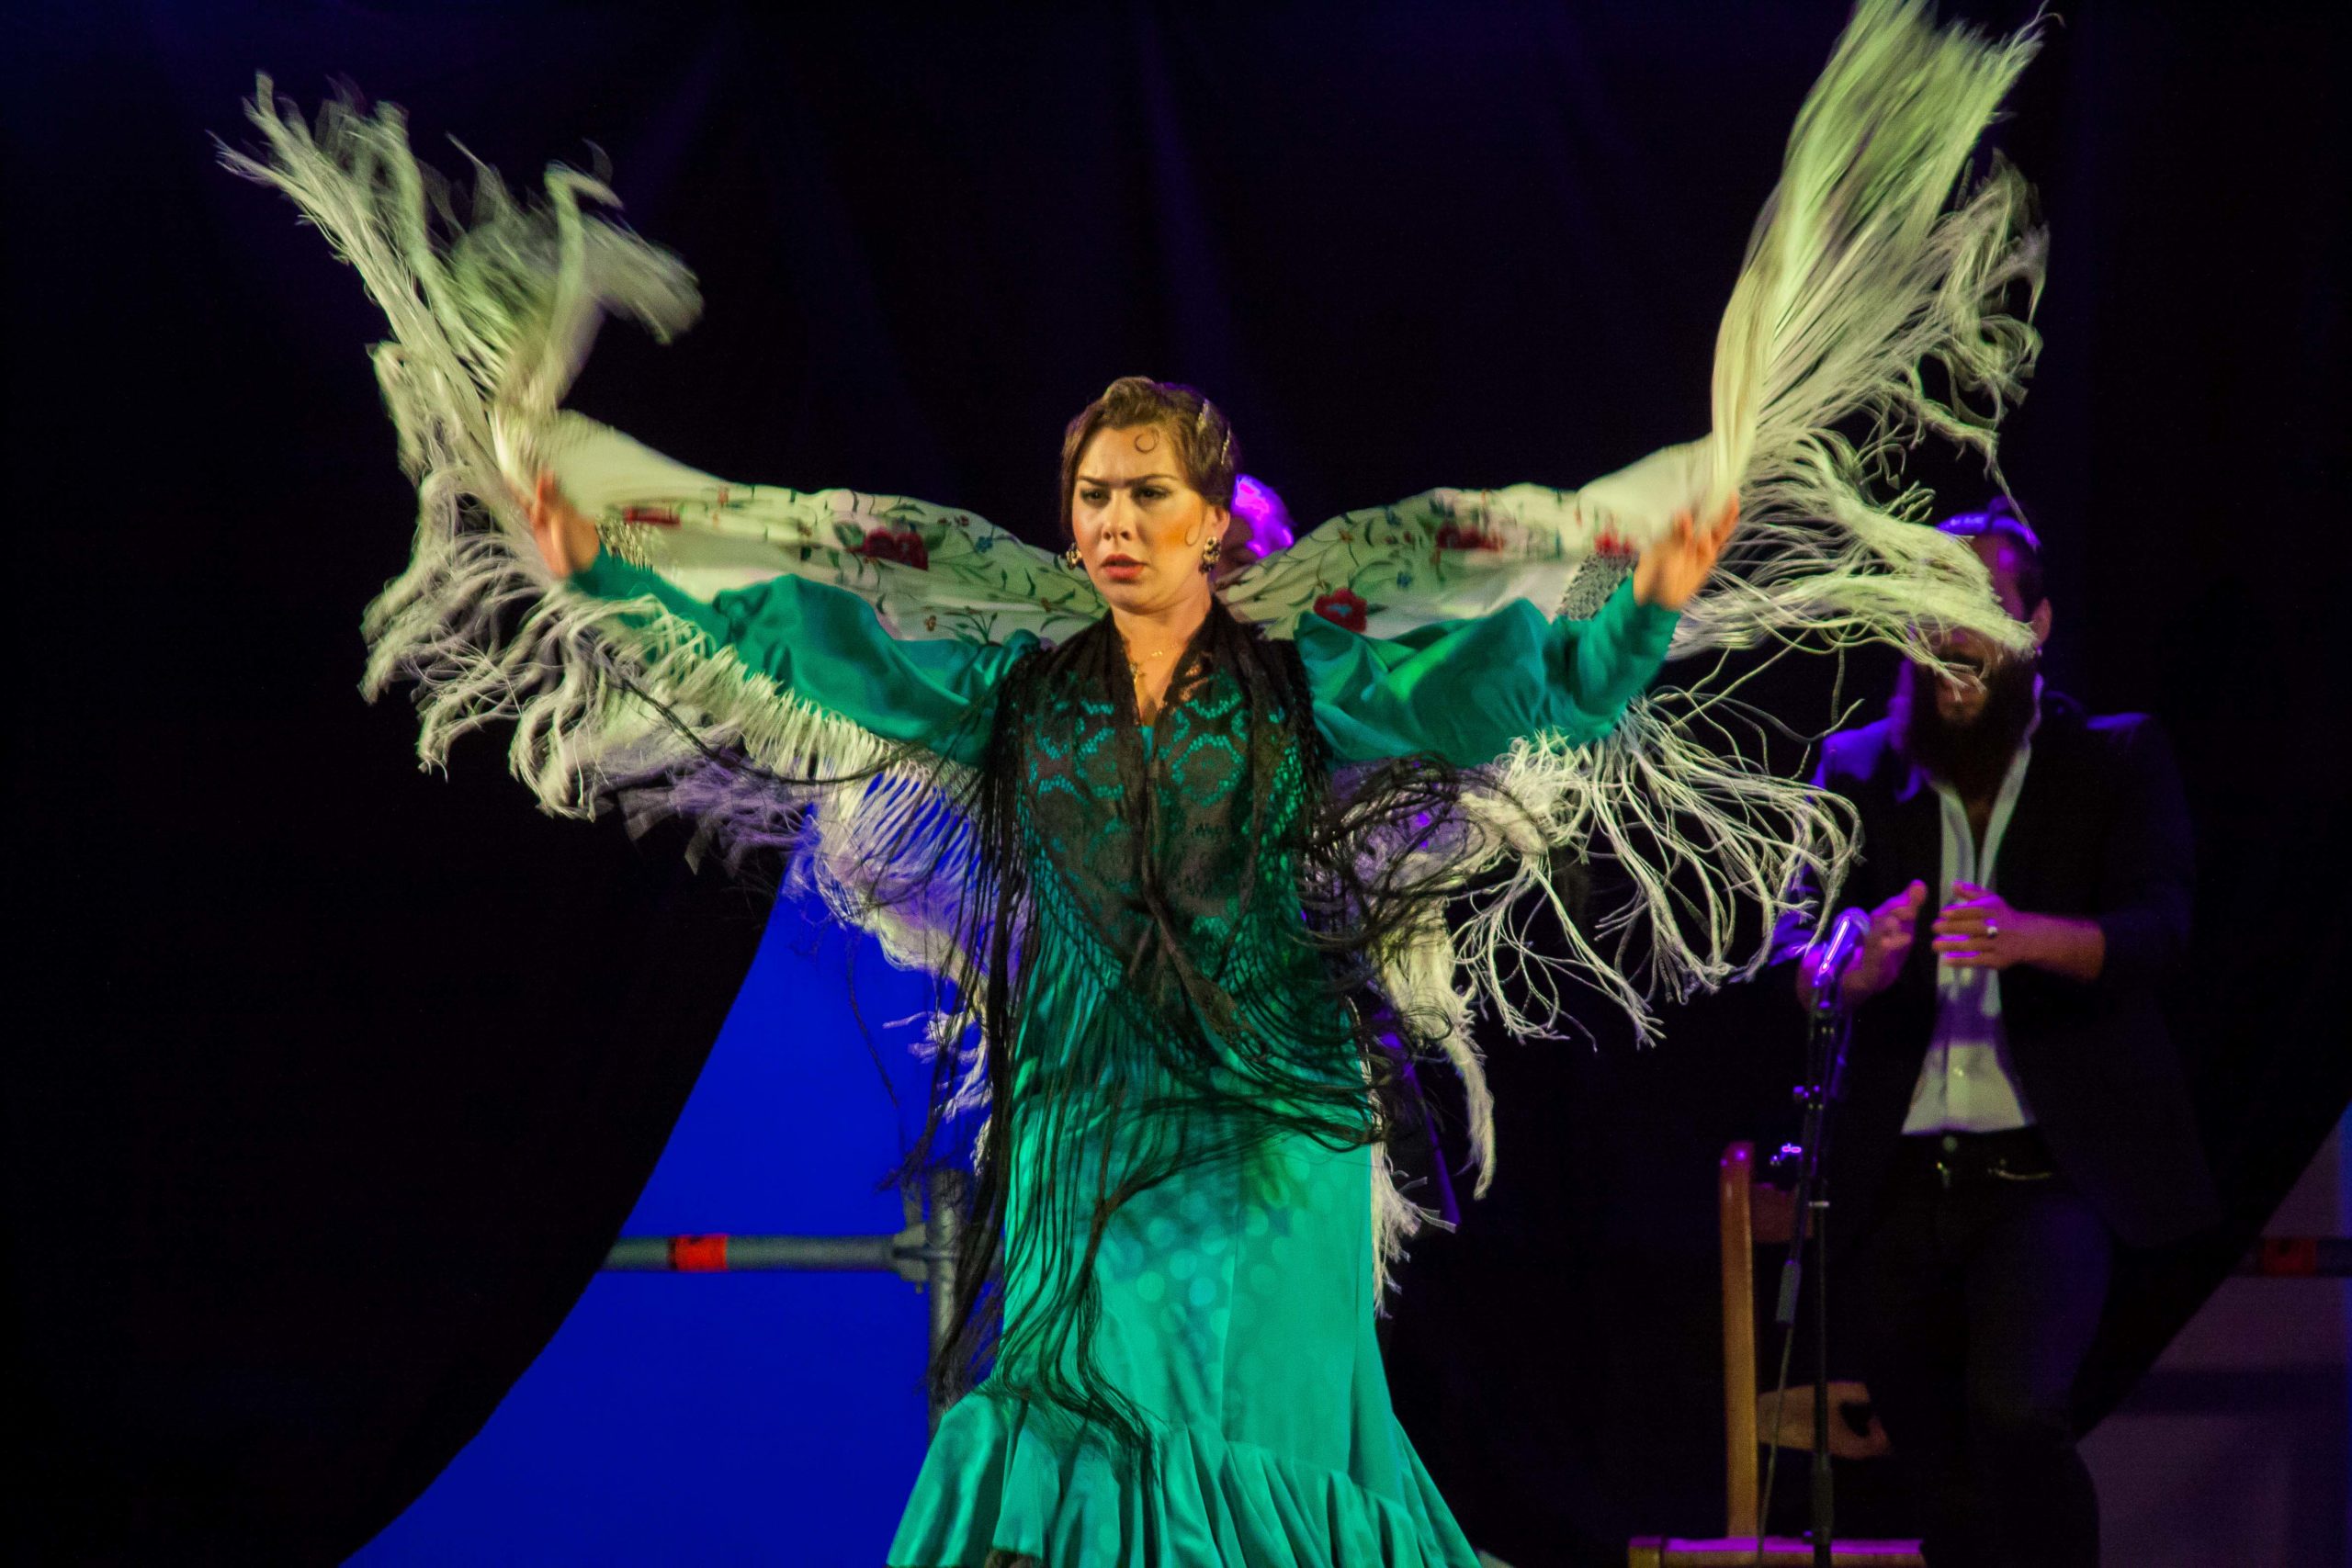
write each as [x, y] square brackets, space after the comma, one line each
[567, 539]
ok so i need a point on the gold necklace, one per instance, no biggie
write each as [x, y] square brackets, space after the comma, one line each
[1136, 670]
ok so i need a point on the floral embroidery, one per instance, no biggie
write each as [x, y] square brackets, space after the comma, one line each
[907, 548]
[1460, 536]
[1443, 554]
[1342, 607]
[1611, 542]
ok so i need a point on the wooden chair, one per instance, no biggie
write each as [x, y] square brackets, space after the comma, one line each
[1753, 1213]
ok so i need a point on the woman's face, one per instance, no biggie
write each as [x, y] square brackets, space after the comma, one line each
[1139, 526]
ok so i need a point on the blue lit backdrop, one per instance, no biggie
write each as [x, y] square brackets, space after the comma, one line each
[727, 1417]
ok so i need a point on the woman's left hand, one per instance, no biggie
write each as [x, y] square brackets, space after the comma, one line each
[1671, 569]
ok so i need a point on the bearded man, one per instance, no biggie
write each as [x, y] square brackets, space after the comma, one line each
[2015, 1110]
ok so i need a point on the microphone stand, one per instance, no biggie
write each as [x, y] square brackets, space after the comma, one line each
[1825, 1083]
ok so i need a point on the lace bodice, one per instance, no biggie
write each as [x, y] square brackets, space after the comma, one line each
[1121, 821]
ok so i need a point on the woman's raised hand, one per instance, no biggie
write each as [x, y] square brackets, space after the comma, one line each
[567, 539]
[1671, 569]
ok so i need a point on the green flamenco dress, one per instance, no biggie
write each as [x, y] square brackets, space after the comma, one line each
[1231, 1301]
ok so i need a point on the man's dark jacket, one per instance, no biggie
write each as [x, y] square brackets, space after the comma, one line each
[2099, 831]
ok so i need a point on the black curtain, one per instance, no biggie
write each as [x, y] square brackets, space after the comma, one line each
[335, 1078]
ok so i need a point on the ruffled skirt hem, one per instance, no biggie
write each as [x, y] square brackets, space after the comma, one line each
[995, 1491]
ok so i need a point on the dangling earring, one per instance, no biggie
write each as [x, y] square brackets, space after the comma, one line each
[1210, 547]
[1071, 558]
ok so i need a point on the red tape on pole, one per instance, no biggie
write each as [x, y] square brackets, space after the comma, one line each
[2294, 1256]
[698, 1254]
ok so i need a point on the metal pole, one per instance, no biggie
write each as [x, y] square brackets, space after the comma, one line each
[1824, 1069]
[943, 1228]
[923, 1254]
[729, 1254]
[1825, 1502]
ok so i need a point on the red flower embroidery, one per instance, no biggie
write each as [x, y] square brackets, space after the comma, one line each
[658, 517]
[1342, 607]
[1453, 537]
[906, 548]
[1612, 545]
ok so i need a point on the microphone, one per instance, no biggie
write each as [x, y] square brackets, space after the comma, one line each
[1838, 950]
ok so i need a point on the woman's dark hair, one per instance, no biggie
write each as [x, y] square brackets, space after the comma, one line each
[1198, 429]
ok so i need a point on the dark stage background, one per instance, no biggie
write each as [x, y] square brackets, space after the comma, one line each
[332, 1079]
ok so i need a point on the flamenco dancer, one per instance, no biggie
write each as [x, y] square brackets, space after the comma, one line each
[1180, 846]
